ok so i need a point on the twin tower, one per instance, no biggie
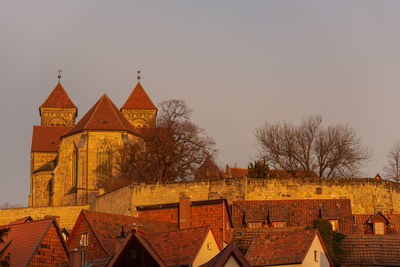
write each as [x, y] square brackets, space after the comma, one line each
[65, 155]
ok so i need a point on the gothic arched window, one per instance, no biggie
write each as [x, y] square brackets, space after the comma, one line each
[104, 163]
[74, 165]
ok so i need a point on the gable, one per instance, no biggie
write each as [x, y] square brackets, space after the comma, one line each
[208, 250]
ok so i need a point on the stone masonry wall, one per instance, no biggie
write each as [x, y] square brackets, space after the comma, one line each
[67, 215]
[367, 195]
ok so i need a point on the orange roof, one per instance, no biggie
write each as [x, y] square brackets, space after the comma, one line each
[278, 248]
[295, 212]
[107, 226]
[138, 99]
[25, 239]
[178, 247]
[371, 250]
[104, 115]
[47, 138]
[58, 98]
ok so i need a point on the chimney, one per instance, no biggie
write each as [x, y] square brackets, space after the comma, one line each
[184, 212]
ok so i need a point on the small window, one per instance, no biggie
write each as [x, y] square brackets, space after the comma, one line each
[335, 225]
[209, 245]
[254, 225]
[316, 256]
[84, 240]
[379, 228]
[278, 224]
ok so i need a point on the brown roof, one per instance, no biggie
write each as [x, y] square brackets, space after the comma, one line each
[376, 250]
[295, 212]
[363, 224]
[221, 258]
[276, 248]
[58, 98]
[208, 170]
[138, 99]
[22, 220]
[104, 115]
[178, 247]
[107, 226]
[47, 138]
[25, 238]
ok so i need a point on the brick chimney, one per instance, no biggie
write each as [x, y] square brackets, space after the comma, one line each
[184, 212]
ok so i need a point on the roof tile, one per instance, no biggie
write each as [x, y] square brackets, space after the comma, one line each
[138, 99]
[276, 248]
[104, 115]
[58, 98]
[47, 138]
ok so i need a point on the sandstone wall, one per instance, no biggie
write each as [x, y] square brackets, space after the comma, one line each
[67, 214]
[367, 195]
[115, 202]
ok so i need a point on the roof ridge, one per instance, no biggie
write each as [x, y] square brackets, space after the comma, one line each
[96, 106]
[41, 238]
[178, 230]
[205, 234]
[113, 109]
[84, 213]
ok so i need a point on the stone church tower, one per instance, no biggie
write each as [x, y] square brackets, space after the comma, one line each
[139, 109]
[65, 156]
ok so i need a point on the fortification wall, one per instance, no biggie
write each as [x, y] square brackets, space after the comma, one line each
[66, 215]
[367, 195]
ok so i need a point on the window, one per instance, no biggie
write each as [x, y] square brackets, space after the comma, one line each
[335, 225]
[316, 256]
[74, 161]
[209, 245]
[104, 159]
[84, 242]
[278, 224]
[379, 228]
[254, 225]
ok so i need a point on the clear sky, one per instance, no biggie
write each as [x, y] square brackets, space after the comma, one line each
[237, 64]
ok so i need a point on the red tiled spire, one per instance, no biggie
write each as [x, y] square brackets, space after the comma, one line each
[58, 98]
[138, 99]
[104, 115]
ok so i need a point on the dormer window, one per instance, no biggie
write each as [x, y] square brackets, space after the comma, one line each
[379, 228]
[278, 224]
[335, 225]
[254, 225]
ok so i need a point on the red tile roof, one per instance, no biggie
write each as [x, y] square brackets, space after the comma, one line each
[230, 251]
[25, 239]
[22, 220]
[278, 248]
[363, 226]
[58, 98]
[47, 138]
[294, 212]
[178, 247]
[107, 226]
[208, 170]
[104, 115]
[138, 99]
[371, 250]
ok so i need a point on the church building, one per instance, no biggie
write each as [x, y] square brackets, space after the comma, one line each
[65, 155]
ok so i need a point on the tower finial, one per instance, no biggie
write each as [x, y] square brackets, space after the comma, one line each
[59, 74]
[138, 75]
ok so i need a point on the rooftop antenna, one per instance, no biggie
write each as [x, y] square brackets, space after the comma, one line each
[138, 75]
[59, 75]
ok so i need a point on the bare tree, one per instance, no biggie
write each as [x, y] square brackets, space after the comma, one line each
[335, 151]
[392, 169]
[171, 152]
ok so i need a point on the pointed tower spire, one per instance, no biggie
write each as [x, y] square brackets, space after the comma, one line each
[58, 109]
[138, 108]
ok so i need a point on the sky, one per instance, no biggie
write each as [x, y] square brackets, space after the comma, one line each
[237, 64]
